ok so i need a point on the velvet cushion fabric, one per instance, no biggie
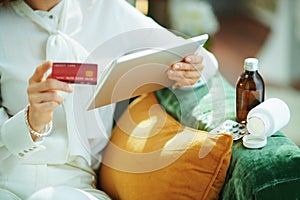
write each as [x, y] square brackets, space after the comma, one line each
[271, 172]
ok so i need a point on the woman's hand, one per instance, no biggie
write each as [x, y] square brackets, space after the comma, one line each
[43, 97]
[187, 72]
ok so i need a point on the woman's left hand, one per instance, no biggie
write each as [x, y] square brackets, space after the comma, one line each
[186, 72]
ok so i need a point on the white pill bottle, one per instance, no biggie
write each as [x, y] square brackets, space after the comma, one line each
[268, 117]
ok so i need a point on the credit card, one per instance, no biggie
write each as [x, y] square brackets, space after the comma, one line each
[77, 73]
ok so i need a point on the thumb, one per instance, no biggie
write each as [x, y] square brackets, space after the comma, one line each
[39, 72]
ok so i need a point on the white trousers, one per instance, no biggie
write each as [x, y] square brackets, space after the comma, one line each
[47, 182]
[53, 193]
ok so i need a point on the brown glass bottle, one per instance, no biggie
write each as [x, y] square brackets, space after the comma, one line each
[250, 90]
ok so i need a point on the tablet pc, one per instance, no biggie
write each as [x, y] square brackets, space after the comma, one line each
[141, 72]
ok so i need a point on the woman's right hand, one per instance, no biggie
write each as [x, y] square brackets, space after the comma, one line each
[43, 97]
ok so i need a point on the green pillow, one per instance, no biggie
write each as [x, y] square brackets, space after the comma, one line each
[201, 108]
[271, 172]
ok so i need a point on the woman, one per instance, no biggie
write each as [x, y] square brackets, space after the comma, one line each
[38, 161]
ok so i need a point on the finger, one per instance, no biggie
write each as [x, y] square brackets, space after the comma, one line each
[194, 58]
[184, 81]
[49, 76]
[47, 97]
[53, 85]
[187, 67]
[39, 72]
[47, 106]
[184, 74]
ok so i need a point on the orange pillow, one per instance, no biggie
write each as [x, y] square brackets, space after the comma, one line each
[152, 156]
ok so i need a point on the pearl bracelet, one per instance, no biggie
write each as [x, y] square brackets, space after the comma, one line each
[46, 131]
